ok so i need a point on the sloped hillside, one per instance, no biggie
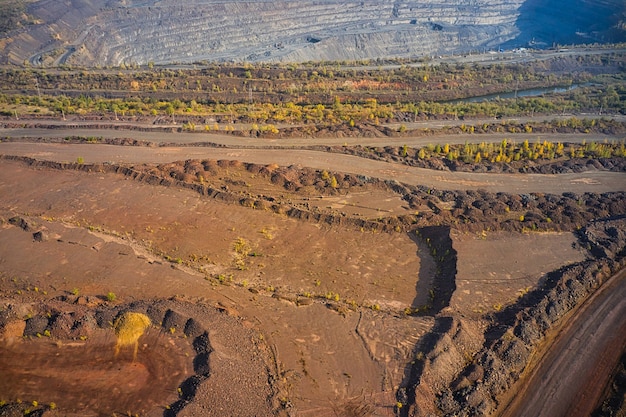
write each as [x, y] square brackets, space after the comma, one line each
[114, 32]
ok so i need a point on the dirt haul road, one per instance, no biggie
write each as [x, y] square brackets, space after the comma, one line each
[155, 133]
[591, 181]
[569, 379]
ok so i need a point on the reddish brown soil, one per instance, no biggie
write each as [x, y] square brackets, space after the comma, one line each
[496, 268]
[84, 378]
[309, 318]
[327, 353]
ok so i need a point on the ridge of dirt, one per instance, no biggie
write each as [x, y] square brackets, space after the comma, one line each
[403, 155]
[558, 125]
[464, 210]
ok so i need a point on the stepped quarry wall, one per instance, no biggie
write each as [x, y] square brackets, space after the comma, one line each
[114, 32]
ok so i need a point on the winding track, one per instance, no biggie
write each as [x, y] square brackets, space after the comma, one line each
[293, 151]
[593, 181]
[88, 128]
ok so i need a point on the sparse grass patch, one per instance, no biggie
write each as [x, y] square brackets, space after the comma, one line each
[241, 246]
[267, 233]
[242, 250]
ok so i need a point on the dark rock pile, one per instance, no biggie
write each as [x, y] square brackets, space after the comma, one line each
[470, 210]
[508, 343]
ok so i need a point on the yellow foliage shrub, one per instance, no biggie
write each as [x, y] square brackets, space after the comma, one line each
[129, 327]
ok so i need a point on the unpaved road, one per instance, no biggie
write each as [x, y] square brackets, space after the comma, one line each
[592, 181]
[87, 129]
[287, 151]
[569, 379]
[230, 140]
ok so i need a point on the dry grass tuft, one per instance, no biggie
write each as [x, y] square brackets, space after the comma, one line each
[129, 327]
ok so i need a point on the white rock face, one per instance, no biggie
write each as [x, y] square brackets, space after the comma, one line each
[299, 30]
[112, 32]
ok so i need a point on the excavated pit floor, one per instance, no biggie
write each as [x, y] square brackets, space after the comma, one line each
[85, 378]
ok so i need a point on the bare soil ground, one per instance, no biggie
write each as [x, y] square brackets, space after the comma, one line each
[51, 371]
[496, 268]
[326, 355]
[254, 311]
